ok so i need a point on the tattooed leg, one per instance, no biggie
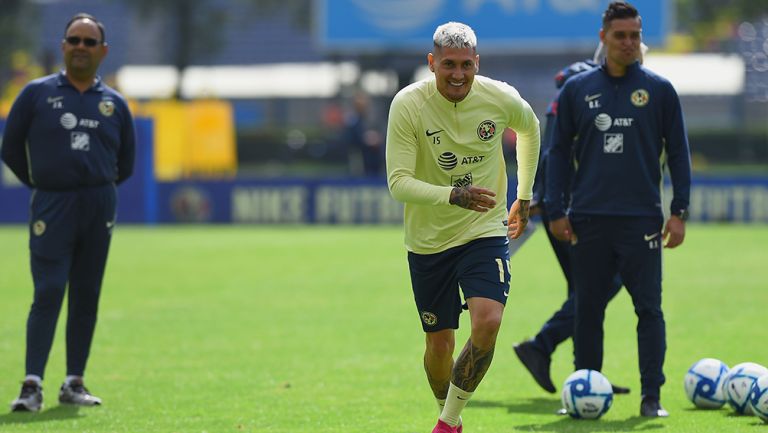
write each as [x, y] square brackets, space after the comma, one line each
[439, 384]
[438, 361]
[468, 371]
[473, 361]
[471, 366]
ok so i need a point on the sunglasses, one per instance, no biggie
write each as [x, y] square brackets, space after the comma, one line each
[75, 41]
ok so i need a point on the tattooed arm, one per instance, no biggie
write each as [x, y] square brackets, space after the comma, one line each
[473, 198]
[518, 218]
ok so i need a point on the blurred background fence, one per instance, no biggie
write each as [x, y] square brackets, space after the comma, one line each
[273, 111]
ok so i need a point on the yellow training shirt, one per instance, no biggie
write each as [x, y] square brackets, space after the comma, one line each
[434, 145]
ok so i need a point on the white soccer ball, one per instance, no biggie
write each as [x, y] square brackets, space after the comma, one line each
[758, 399]
[704, 383]
[738, 385]
[587, 394]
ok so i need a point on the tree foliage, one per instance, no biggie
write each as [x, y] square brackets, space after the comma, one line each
[711, 22]
[14, 15]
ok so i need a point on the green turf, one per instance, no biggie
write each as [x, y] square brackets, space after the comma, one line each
[312, 329]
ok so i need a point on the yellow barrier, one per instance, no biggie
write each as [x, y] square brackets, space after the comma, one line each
[192, 139]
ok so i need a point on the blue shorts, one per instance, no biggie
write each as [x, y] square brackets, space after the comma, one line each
[479, 268]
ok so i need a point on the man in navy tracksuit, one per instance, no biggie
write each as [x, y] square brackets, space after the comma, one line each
[70, 138]
[617, 127]
[536, 353]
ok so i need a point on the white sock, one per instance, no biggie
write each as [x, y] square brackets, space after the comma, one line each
[70, 379]
[440, 404]
[34, 378]
[454, 404]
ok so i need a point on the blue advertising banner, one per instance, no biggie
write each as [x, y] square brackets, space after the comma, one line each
[343, 201]
[284, 201]
[501, 25]
[728, 199]
[356, 201]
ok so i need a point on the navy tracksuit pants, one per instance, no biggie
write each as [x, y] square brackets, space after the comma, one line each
[70, 232]
[631, 246]
[560, 326]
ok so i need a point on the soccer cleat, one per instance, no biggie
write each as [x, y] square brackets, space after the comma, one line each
[443, 427]
[562, 411]
[651, 407]
[537, 364]
[30, 399]
[78, 394]
[619, 389]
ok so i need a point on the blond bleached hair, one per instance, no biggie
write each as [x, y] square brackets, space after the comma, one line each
[454, 35]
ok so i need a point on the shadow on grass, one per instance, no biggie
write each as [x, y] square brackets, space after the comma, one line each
[561, 423]
[536, 406]
[567, 424]
[55, 413]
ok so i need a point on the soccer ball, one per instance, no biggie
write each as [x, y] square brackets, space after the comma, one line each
[587, 394]
[704, 383]
[738, 385]
[758, 399]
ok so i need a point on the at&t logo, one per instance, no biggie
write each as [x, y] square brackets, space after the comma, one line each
[447, 161]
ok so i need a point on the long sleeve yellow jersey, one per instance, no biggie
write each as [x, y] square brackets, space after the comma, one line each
[434, 145]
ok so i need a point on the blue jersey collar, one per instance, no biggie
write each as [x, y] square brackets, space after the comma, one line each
[631, 70]
[62, 80]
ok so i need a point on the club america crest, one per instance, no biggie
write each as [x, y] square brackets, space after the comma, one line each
[38, 227]
[639, 97]
[486, 130]
[106, 107]
[429, 319]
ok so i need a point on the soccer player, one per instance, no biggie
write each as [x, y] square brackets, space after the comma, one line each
[445, 162]
[536, 353]
[617, 128]
[70, 138]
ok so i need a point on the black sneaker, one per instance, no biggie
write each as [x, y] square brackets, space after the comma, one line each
[620, 389]
[77, 393]
[30, 399]
[651, 407]
[537, 364]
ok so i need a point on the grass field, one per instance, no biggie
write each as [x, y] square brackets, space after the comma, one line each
[313, 329]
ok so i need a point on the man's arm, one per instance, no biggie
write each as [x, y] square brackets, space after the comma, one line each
[401, 155]
[14, 151]
[526, 126]
[127, 152]
[539, 183]
[561, 229]
[518, 218]
[559, 166]
[559, 169]
[524, 122]
[674, 232]
[473, 198]
[679, 162]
